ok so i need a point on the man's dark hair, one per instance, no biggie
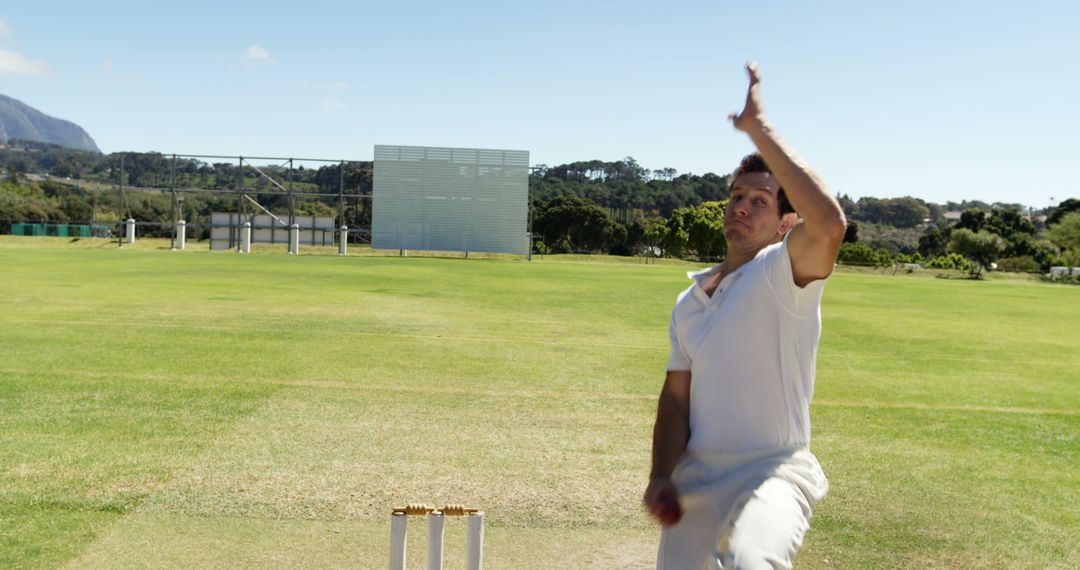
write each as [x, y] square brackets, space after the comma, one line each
[755, 163]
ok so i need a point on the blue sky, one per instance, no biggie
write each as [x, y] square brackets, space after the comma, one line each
[939, 100]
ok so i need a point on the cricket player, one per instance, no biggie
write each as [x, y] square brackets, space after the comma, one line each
[733, 481]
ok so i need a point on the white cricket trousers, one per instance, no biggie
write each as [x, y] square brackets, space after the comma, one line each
[742, 511]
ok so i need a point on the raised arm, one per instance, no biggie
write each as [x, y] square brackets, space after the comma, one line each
[814, 243]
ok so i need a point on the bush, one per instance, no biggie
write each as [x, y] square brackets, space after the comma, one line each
[1020, 264]
[862, 254]
[911, 258]
[951, 261]
[1068, 258]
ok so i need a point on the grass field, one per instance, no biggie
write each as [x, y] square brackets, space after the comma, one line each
[196, 409]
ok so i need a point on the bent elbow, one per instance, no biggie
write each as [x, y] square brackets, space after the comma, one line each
[836, 225]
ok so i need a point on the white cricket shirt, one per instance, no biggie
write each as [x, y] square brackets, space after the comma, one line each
[751, 350]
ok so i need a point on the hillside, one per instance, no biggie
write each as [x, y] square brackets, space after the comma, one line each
[21, 121]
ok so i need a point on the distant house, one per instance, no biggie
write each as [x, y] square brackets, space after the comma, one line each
[1062, 271]
[953, 216]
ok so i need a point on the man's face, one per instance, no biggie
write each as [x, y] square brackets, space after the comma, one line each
[752, 218]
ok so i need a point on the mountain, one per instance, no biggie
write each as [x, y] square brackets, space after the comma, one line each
[21, 121]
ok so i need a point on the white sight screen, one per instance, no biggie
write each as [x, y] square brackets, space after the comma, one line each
[450, 199]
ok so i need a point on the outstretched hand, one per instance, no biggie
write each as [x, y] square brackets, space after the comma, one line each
[752, 115]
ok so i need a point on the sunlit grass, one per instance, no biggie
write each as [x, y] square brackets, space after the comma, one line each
[216, 410]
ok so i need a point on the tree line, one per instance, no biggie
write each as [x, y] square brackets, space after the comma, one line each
[52, 184]
[615, 207]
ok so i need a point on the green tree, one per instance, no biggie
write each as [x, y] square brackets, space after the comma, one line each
[571, 224]
[706, 229]
[968, 205]
[1023, 245]
[1008, 223]
[1067, 206]
[982, 248]
[1068, 258]
[935, 242]
[316, 208]
[847, 205]
[1066, 233]
[77, 208]
[697, 231]
[905, 212]
[626, 185]
[646, 235]
[972, 219]
[851, 234]
[676, 237]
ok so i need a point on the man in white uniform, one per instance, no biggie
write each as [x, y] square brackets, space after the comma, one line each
[733, 481]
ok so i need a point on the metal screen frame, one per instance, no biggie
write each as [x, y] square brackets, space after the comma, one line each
[226, 226]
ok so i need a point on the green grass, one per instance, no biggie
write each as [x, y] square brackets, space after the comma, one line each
[195, 409]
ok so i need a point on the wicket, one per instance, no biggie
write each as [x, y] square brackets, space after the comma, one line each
[399, 522]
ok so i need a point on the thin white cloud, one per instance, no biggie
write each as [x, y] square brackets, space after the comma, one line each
[339, 86]
[106, 66]
[5, 29]
[14, 63]
[333, 105]
[256, 53]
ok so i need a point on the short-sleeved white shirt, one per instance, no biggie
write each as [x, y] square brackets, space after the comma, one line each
[751, 350]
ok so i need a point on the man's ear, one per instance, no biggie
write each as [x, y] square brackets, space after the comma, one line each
[787, 221]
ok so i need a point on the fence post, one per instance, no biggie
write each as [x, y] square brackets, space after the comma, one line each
[181, 234]
[294, 239]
